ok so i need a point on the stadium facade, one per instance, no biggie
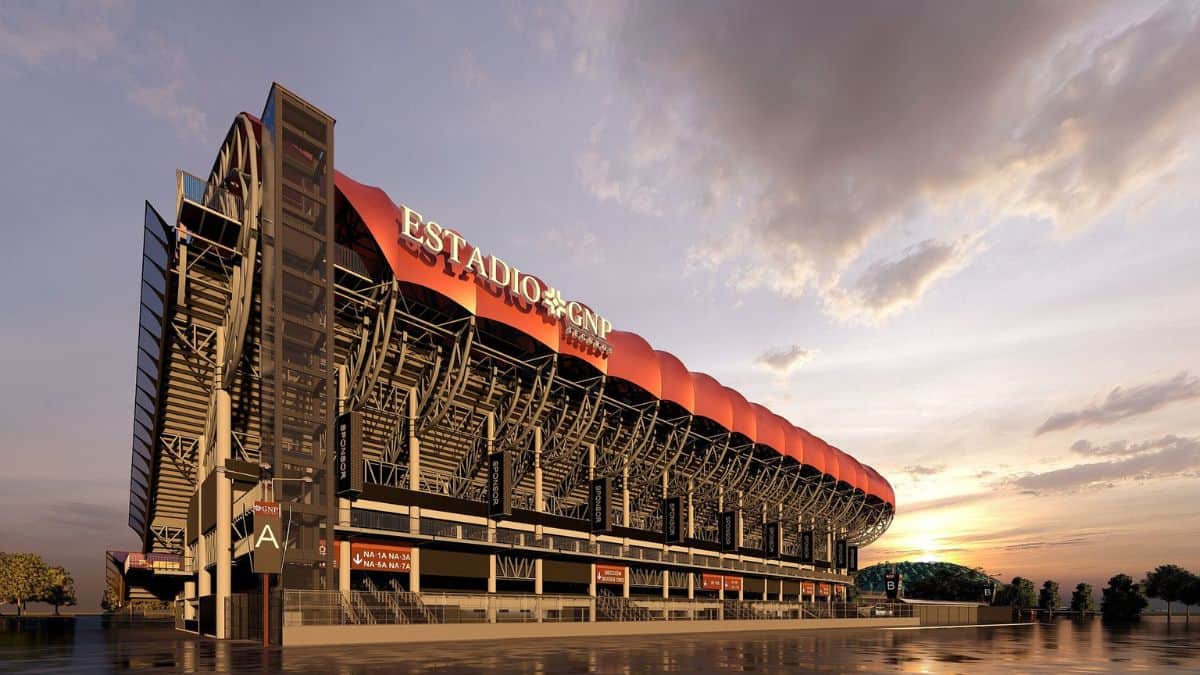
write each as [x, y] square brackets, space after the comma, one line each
[421, 417]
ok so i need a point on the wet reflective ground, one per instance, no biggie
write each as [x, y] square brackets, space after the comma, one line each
[91, 645]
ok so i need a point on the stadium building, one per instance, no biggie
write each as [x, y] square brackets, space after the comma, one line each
[398, 426]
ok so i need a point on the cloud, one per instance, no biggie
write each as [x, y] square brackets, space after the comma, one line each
[918, 471]
[1122, 403]
[33, 41]
[1122, 448]
[818, 138]
[163, 102]
[1161, 459]
[891, 286]
[947, 502]
[786, 360]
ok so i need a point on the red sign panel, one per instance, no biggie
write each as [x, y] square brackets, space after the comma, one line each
[610, 574]
[839, 590]
[808, 588]
[823, 590]
[712, 582]
[379, 557]
[733, 583]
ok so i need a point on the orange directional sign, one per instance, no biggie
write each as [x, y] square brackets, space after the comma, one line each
[711, 582]
[610, 574]
[733, 583]
[379, 557]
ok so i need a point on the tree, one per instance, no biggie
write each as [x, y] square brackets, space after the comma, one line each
[1020, 593]
[1123, 599]
[1166, 582]
[1048, 598]
[1190, 595]
[59, 589]
[23, 577]
[1081, 598]
[951, 582]
[111, 601]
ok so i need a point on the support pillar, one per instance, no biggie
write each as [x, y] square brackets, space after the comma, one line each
[592, 592]
[414, 466]
[491, 588]
[343, 565]
[625, 498]
[224, 534]
[625, 587]
[414, 571]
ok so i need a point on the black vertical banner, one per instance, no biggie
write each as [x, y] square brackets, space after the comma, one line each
[348, 455]
[499, 495]
[852, 559]
[599, 506]
[672, 513]
[891, 583]
[727, 530]
[839, 554]
[806, 547]
[770, 536]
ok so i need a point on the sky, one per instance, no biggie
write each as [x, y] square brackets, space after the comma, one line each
[957, 240]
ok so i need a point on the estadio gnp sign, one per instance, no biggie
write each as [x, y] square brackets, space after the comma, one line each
[580, 323]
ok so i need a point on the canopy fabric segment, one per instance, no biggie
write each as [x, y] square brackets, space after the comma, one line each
[676, 381]
[634, 360]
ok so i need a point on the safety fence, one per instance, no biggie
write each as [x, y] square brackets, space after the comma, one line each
[395, 606]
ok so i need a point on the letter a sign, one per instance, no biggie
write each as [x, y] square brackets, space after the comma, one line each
[268, 538]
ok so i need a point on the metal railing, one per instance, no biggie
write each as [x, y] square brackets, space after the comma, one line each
[213, 197]
[459, 531]
[396, 606]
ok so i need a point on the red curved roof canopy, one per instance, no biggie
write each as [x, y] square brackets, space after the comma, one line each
[712, 400]
[744, 419]
[794, 443]
[633, 360]
[676, 381]
[816, 452]
[770, 431]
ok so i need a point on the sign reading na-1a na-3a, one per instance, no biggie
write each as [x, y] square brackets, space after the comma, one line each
[375, 557]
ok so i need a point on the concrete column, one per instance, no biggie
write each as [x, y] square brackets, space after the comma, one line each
[537, 587]
[741, 528]
[592, 592]
[666, 577]
[491, 573]
[203, 577]
[625, 588]
[625, 497]
[343, 565]
[663, 496]
[539, 500]
[539, 503]
[189, 599]
[414, 465]
[691, 510]
[414, 572]
[222, 439]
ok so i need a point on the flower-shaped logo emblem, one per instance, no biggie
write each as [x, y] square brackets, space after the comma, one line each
[553, 303]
